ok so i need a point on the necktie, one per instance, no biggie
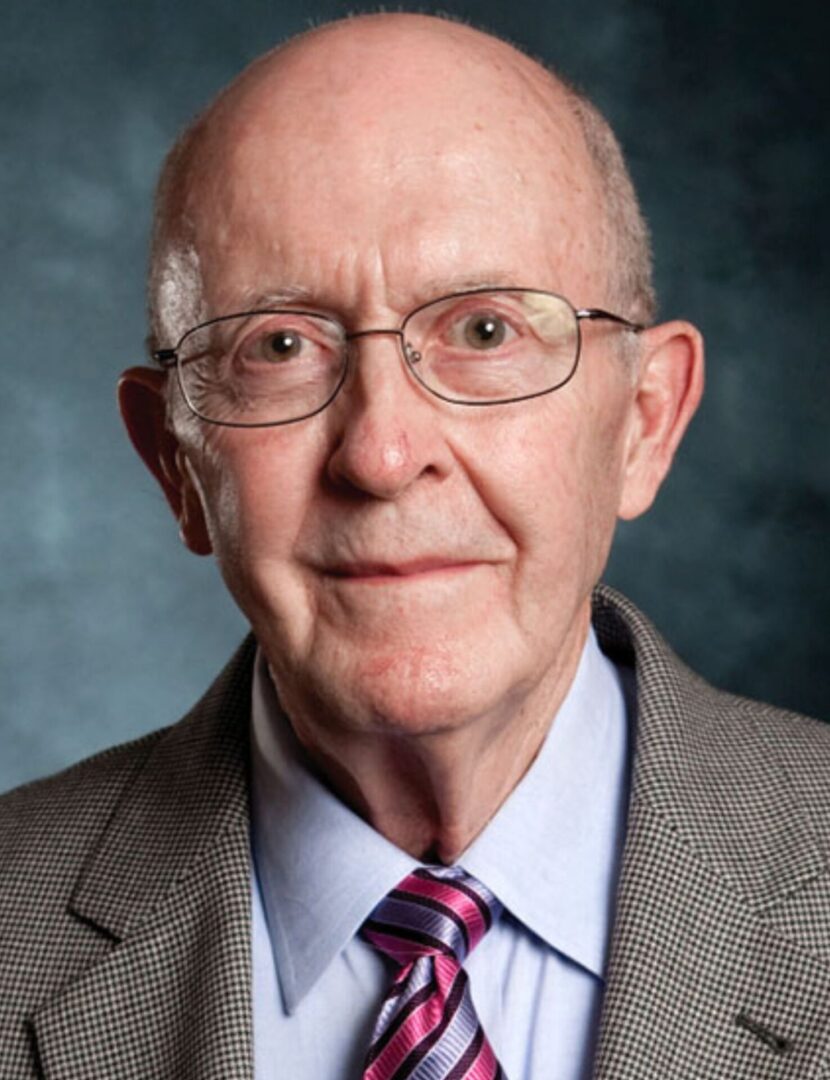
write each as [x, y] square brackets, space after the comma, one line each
[428, 1028]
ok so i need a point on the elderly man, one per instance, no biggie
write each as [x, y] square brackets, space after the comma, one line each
[452, 811]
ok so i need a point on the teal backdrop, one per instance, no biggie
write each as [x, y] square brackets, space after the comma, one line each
[110, 628]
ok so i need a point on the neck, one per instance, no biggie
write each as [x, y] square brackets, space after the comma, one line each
[432, 794]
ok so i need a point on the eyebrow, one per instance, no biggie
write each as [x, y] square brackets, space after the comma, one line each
[498, 279]
[432, 289]
[251, 299]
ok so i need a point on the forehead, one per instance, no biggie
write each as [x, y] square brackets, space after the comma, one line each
[395, 171]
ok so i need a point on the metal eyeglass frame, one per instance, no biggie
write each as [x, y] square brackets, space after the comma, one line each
[169, 357]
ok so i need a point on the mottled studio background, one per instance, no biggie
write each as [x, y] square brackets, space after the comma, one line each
[109, 628]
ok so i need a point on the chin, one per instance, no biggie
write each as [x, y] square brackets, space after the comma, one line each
[422, 691]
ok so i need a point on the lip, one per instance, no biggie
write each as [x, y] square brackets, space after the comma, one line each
[386, 571]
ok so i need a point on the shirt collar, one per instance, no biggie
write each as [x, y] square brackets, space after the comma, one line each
[550, 853]
[322, 869]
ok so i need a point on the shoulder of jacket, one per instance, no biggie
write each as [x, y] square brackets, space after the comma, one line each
[35, 815]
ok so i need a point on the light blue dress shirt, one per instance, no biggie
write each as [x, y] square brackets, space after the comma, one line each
[550, 854]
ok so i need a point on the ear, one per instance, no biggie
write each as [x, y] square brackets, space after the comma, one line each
[668, 390]
[142, 400]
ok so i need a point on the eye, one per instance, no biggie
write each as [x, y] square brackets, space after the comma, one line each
[277, 346]
[283, 339]
[483, 330]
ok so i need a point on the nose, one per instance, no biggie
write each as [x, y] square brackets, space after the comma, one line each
[387, 434]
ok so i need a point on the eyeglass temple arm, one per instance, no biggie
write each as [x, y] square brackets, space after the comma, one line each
[598, 313]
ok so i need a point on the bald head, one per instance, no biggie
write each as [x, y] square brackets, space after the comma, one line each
[375, 114]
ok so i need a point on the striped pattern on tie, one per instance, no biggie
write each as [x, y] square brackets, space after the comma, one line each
[428, 1028]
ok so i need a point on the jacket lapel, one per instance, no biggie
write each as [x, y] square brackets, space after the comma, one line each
[702, 981]
[698, 985]
[170, 887]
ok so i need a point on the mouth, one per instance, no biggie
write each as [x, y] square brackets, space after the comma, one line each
[386, 572]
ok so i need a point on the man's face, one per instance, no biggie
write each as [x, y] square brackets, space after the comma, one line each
[409, 564]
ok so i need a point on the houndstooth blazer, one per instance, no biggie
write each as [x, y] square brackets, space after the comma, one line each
[125, 927]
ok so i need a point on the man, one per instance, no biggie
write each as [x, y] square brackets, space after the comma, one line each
[451, 811]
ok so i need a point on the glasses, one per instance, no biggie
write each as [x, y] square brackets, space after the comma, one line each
[280, 365]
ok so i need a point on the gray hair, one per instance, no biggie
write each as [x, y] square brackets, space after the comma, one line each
[631, 282]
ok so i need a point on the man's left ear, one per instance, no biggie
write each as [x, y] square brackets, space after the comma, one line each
[142, 400]
[668, 390]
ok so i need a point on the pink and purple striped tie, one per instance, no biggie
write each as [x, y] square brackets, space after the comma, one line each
[428, 1028]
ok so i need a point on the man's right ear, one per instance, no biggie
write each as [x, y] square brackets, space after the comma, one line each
[142, 399]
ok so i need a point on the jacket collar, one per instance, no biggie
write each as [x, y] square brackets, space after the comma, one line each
[169, 885]
[697, 765]
[190, 790]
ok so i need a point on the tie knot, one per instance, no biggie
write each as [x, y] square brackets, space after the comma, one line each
[433, 911]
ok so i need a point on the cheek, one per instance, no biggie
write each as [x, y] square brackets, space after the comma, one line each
[554, 485]
[255, 487]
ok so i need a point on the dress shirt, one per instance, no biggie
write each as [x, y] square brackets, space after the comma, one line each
[550, 854]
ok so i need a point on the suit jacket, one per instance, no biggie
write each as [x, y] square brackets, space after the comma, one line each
[125, 893]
